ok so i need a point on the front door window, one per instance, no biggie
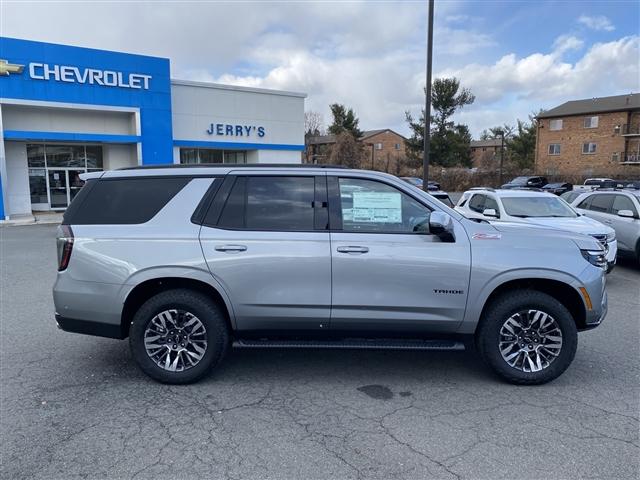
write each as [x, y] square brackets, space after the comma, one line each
[58, 189]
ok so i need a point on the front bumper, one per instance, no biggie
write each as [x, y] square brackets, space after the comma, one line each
[594, 282]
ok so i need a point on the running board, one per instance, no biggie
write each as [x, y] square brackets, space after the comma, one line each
[355, 343]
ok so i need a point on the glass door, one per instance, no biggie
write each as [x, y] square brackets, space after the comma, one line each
[58, 193]
[74, 182]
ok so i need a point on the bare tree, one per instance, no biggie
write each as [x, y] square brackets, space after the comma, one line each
[346, 151]
[313, 123]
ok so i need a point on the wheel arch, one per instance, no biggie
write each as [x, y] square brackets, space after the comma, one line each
[561, 291]
[149, 287]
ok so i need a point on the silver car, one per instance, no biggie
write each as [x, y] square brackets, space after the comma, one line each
[188, 261]
[619, 209]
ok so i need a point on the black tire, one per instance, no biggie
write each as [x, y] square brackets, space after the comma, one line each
[209, 314]
[488, 334]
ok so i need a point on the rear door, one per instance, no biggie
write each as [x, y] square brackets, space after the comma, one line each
[265, 240]
[598, 207]
[389, 274]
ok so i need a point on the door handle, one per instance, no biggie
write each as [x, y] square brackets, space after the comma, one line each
[230, 248]
[353, 249]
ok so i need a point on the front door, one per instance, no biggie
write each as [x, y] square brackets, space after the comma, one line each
[58, 189]
[265, 240]
[389, 274]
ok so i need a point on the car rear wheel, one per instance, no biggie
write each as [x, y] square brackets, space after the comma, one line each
[527, 337]
[177, 336]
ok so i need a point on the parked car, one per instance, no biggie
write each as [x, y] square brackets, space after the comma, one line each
[571, 195]
[558, 188]
[632, 184]
[418, 182]
[443, 197]
[213, 257]
[526, 182]
[537, 208]
[599, 182]
[618, 209]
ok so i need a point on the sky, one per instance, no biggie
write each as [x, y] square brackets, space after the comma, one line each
[516, 57]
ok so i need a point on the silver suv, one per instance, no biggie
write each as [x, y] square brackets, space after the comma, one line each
[188, 261]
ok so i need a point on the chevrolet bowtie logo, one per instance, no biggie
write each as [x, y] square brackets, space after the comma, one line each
[7, 68]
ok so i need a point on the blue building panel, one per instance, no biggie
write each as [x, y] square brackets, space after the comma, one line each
[66, 74]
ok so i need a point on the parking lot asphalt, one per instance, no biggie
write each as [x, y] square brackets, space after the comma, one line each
[75, 406]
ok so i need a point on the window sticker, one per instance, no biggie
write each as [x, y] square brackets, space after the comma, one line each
[376, 207]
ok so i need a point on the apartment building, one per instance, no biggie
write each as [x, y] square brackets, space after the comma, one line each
[485, 154]
[381, 147]
[591, 137]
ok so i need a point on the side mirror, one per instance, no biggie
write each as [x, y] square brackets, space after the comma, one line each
[626, 214]
[530, 183]
[490, 212]
[441, 225]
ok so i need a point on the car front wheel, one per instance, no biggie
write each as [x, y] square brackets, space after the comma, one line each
[527, 337]
[177, 336]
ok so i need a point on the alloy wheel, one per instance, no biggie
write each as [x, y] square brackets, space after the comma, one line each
[530, 340]
[175, 340]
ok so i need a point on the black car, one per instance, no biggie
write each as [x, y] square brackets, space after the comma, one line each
[526, 182]
[558, 188]
[417, 182]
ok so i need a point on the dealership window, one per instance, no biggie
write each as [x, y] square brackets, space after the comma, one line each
[54, 171]
[555, 124]
[591, 122]
[554, 149]
[589, 148]
[212, 155]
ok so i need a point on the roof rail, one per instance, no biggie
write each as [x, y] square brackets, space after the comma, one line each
[483, 188]
[232, 165]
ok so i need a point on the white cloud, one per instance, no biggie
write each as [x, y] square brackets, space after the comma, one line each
[565, 43]
[596, 22]
[370, 56]
[518, 86]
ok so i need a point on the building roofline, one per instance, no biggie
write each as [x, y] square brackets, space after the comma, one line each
[220, 86]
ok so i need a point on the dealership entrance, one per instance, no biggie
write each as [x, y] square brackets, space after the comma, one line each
[54, 172]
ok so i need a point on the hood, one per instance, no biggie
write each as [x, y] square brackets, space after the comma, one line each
[581, 224]
[530, 232]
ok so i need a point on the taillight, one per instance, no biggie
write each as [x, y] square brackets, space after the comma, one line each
[65, 246]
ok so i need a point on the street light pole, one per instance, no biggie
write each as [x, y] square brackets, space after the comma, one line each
[501, 154]
[427, 109]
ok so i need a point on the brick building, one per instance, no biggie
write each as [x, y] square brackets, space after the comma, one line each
[383, 148]
[592, 137]
[485, 154]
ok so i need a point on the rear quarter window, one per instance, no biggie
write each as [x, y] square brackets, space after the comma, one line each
[122, 201]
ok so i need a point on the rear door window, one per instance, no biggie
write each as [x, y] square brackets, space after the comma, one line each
[274, 203]
[122, 201]
[601, 203]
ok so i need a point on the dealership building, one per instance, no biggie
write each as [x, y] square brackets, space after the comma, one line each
[67, 110]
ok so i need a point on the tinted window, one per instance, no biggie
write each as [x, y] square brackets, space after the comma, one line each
[584, 204]
[370, 206]
[122, 201]
[601, 203]
[491, 203]
[620, 202]
[270, 203]
[477, 203]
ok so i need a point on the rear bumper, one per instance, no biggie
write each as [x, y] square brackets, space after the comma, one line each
[88, 327]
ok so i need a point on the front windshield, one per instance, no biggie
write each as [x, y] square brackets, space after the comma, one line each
[537, 207]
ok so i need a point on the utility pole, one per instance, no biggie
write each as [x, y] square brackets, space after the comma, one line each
[501, 154]
[427, 109]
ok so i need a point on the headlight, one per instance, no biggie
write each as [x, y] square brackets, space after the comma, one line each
[595, 257]
[611, 237]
